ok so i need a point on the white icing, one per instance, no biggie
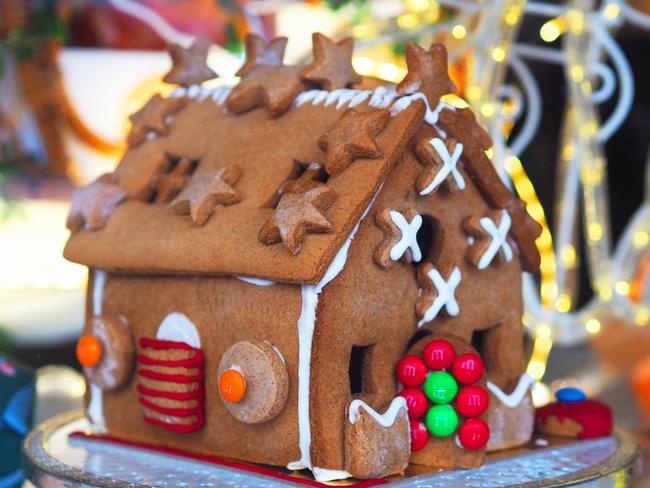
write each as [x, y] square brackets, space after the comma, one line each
[277, 351]
[178, 328]
[498, 239]
[409, 238]
[218, 94]
[151, 135]
[255, 281]
[179, 92]
[193, 91]
[449, 163]
[324, 475]
[445, 297]
[95, 410]
[541, 442]
[99, 282]
[306, 323]
[236, 367]
[518, 394]
[385, 420]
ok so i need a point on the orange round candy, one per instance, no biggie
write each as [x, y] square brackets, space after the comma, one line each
[232, 386]
[89, 351]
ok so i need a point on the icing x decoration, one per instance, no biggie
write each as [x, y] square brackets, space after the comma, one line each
[400, 236]
[436, 292]
[206, 191]
[490, 235]
[189, 65]
[440, 160]
[427, 73]
[297, 215]
[332, 64]
[92, 204]
[181, 384]
[353, 137]
[153, 118]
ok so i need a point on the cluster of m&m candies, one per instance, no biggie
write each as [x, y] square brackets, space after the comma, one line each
[439, 386]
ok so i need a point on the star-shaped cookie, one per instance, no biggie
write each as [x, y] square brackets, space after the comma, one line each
[167, 185]
[92, 204]
[153, 118]
[275, 87]
[312, 176]
[296, 215]
[259, 52]
[206, 191]
[353, 137]
[488, 237]
[332, 64]
[427, 73]
[189, 64]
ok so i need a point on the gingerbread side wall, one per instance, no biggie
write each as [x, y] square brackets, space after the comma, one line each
[224, 311]
[369, 310]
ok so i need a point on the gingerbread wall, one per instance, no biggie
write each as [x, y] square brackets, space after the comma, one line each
[368, 305]
[225, 311]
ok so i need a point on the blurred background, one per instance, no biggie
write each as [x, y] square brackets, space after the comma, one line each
[71, 72]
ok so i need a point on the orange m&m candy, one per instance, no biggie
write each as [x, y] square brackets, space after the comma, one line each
[89, 351]
[232, 385]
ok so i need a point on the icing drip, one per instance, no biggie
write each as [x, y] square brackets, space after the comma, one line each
[498, 239]
[95, 410]
[176, 327]
[518, 394]
[218, 94]
[306, 324]
[386, 419]
[255, 281]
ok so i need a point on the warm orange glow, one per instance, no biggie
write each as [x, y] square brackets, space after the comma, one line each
[232, 386]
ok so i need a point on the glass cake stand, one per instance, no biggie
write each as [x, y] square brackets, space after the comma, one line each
[52, 459]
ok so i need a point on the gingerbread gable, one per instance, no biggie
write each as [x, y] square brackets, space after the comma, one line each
[145, 234]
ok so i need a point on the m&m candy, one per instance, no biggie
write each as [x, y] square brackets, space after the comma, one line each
[439, 355]
[416, 402]
[89, 351]
[467, 368]
[440, 387]
[442, 420]
[419, 435]
[411, 371]
[570, 395]
[473, 434]
[472, 401]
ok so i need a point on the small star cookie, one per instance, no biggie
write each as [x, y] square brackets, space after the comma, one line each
[353, 137]
[437, 291]
[259, 52]
[206, 191]
[332, 64]
[489, 236]
[167, 185]
[400, 236]
[297, 215]
[440, 160]
[427, 73]
[189, 64]
[92, 204]
[153, 118]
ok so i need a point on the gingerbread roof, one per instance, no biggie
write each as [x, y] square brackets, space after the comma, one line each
[229, 181]
[146, 235]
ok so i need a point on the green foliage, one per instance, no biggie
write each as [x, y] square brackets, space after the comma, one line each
[338, 4]
[45, 25]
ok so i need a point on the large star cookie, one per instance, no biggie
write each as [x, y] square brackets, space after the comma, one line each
[92, 204]
[332, 64]
[189, 64]
[153, 118]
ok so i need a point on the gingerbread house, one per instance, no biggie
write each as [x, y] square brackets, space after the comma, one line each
[276, 266]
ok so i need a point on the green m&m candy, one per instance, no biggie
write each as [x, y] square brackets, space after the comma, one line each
[440, 387]
[442, 420]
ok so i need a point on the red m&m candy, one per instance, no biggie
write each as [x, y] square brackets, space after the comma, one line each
[411, 371]
[472, 401]
[439, 355]
[467, 368]
[416, 402]
[419, 435]
[473, 434]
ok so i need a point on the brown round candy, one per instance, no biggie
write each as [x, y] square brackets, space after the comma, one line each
[266, 381]
[117, 351]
